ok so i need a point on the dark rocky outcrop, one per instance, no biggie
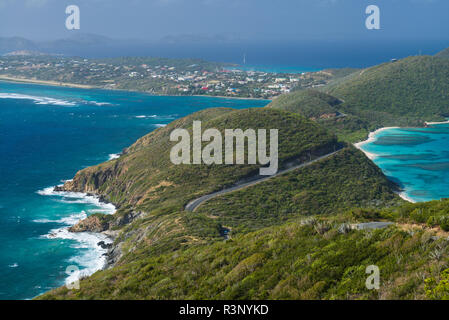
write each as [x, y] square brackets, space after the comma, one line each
[93, 223]
[104, 245]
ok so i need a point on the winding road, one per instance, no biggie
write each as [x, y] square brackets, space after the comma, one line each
[194, 204]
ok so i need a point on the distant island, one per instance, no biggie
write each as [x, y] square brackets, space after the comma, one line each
[159, 76]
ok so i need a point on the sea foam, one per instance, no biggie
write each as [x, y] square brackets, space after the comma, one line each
[78, 197]
[49, 100]
[90, 257]
[113, 156]
[144, 117]
[69, 221]
[37, 100]
[155, 116]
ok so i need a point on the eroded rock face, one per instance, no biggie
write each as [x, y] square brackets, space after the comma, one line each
[104, 245]
[91, 224]
[127, 218]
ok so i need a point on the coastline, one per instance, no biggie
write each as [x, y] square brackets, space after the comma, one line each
[85, 86]
[404, 196]
[359, 145]
[45, 82]
[97, 242]
[53, 226]
[371, 138]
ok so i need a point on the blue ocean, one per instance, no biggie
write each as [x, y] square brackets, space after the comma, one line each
[47, 134]
[415, 158]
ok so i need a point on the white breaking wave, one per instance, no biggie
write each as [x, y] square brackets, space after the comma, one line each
[70, 220]
[113, 156]
[91, 257]
[49, 100]
[155, 116]
[100, 103]
[37, 100]
[14, 265]
[47, 191]
[78, 197]
[160, 125]
[144, 117]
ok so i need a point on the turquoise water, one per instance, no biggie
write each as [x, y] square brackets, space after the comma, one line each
[416, 158]
[47, 134]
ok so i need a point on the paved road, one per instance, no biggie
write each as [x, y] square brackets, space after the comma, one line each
[194, 204]
[372, 225]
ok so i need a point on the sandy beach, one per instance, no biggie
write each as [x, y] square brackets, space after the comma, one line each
[405, 197]
[48, 83]
[372, 156]
[371, 138]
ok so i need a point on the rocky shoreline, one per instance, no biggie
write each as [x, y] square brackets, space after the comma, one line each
[106, 224]
[99, 223]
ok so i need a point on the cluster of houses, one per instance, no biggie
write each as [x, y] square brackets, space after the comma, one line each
[193, 79]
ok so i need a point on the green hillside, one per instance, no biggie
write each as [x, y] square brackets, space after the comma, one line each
[406, 92]
[403, 93]
[311, 258]
[294, 236]
[144, 178]
[151, 194]
[443, 54]
[309, 103]
[324, 188]
[325, 110]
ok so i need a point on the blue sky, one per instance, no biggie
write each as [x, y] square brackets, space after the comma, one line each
[228, 20]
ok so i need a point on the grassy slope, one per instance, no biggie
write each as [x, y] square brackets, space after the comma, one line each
[145, 179]
[305, 259]
[406, 92]
[327, 187]
[310, 103]
[275, 252]
[403, 93]
[443, 54]
[183, 250]
[315, 104]
[165, 228]
[145, 184]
